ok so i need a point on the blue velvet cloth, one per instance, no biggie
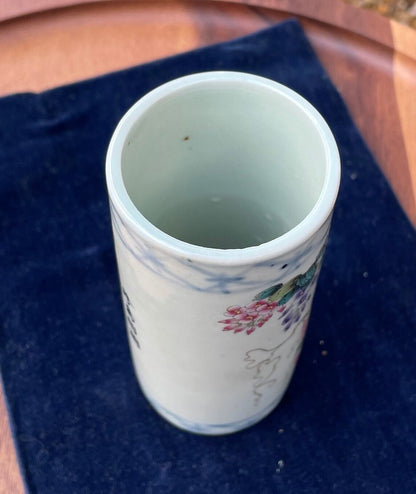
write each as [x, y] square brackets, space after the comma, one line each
[80, 423]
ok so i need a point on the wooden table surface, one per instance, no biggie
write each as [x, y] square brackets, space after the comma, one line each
[371, 60]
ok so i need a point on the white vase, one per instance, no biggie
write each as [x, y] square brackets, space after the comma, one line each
[221, 187]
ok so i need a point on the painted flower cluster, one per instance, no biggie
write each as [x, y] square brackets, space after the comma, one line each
[294, 311]
[249, 318]
[290, 300]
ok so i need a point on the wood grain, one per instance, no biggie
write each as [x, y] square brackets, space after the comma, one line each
[10, 479]
[363, 73]
[404, 77]
[371, 60]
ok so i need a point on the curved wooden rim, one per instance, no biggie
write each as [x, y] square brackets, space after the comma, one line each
[366, 23]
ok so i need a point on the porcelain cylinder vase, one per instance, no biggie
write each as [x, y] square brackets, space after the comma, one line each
[221, 187]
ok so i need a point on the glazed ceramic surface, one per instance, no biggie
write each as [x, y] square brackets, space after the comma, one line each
[221, 188]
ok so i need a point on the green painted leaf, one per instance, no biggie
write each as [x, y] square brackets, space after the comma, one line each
[285, 299]
[304, 279]
[283, 290]
[268, 292]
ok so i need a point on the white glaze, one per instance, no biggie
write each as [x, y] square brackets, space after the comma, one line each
[209, 134]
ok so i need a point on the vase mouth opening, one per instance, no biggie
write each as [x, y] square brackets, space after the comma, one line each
[223, 168]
